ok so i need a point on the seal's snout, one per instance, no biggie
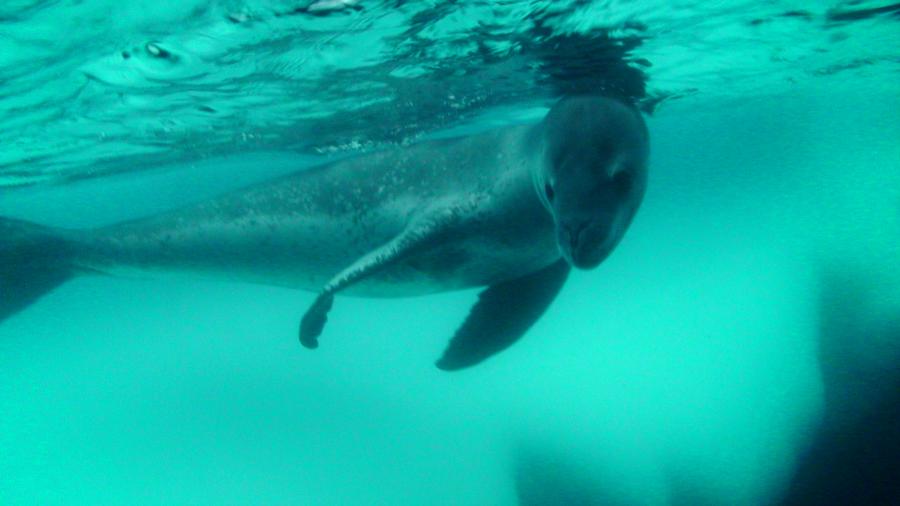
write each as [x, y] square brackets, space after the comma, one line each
[584, 244]
[573, 232]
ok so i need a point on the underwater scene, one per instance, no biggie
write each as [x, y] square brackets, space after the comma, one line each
[471, 252]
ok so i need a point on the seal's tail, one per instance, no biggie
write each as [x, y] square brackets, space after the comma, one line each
[33, 260]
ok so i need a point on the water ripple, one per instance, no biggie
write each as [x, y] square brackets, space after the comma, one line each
[103, 86]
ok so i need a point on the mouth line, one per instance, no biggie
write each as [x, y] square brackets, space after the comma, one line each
[572, 255]
[578, 256]
[578, 263]
[575, 241]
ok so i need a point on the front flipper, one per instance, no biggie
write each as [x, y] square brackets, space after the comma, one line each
[502, 315]
[314, 320]
[411, 241]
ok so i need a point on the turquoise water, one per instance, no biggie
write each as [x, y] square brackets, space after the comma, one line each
[694, 366]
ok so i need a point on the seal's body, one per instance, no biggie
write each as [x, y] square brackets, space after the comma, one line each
[509, 209]
[300, 230]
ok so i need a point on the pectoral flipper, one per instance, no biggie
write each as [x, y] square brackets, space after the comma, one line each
[503, 313]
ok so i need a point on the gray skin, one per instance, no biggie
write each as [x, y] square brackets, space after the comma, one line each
[499, 209]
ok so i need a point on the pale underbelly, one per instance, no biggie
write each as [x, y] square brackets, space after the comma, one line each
[304, 253]
[446, 267]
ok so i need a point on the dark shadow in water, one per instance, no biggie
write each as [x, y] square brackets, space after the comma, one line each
[839, 14]
[545, 477]
[855, 456]
[551, 475]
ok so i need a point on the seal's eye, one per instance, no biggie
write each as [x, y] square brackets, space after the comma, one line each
[622, 182]
[549, 191]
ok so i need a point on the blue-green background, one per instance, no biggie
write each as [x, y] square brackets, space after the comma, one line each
[685, 365]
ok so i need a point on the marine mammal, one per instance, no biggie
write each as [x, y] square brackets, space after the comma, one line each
[509, 209]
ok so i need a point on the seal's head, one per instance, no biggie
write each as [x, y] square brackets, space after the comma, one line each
[594, 174]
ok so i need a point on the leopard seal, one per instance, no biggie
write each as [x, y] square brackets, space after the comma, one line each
[511, 210]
